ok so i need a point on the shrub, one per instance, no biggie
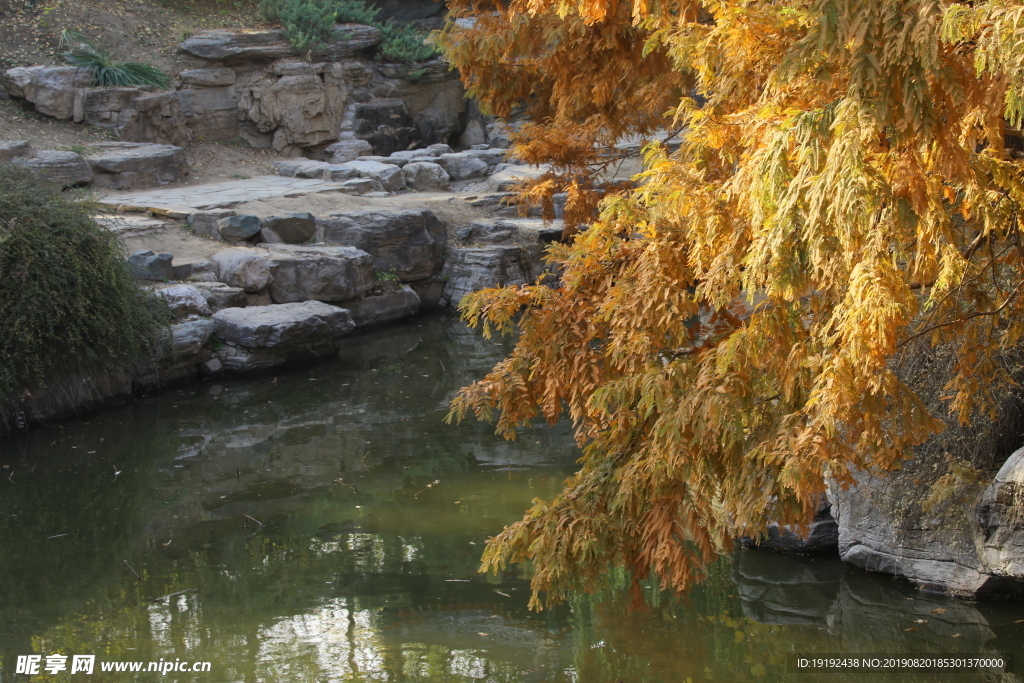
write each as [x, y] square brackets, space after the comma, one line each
[306, 24]
[356, 12]
[67, 302]
[82, 52]
[402, 43]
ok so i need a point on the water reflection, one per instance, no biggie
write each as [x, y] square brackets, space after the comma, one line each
[324, 524]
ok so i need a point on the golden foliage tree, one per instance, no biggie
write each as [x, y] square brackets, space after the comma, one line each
[727, 333]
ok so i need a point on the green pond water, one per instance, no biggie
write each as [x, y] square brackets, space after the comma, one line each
[374, 513]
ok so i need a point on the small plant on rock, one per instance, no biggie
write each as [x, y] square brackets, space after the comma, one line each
[84, 53]
[385, 282]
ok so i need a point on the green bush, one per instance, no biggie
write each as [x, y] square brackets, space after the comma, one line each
[67, 302]
[105, 71]
[401, 43]
[307, 25]
[356, 12]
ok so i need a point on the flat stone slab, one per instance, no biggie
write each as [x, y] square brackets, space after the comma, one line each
[194, 198]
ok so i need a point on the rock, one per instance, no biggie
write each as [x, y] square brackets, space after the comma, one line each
[386, 160]
[234, 229]
[822, 535]
[1000, 518]
[204, 223]
[302, 111]
[51, 89]
[470, 270]
[219, 295]
[438, 149]
[244, 268]
[505, 180]
[347, 150]
[321, 273]
[208, 78]
[101, 106]
[362, 186]
[390, 176]
[492, 155]
[154, 118]
[348, 40]
[185, 342]
[181, 271]
[211, 367]
[429, 291]
[407, 155]
[13, 148]
[237, 46]
[129, 165]
[489, 232]
[499, 134]
[184, 300]
[410, 242]
[266, 336]
[340, 172]
[473, 135]
[463, 166]
[204, 271]
[300, 168]
[425, 177]
[295, 228]
[387, 124]
[62, 168]
[779, 590]
[384, 308]
[145, 265]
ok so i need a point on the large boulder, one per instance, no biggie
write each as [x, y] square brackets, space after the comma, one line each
[204, 223]
[301, 111]
[264, 46]
[470, 270]
[423, 176]
[184, 343]
[389, 175]
[101, 106]
[184, 300]
[62, 168]
[243, 268]
[146, 265]
[295, 228]
[463, 166]
[234, 229]
[411, 242]
[266, 336]
[321, 273]
[1000, 518]
[506, 179]
[219, 295]
[155, 117]
[51, 89]
[384, 308]
[130, 165]
[347, 150]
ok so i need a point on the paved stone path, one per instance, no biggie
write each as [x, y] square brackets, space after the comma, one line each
[189, 199]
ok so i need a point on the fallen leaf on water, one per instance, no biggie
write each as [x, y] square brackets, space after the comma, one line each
[910, 629]
[939, 610]
[921, 621]
[483, 634]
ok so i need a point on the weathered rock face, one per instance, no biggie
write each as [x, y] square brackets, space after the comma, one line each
[302, 110]
[145, 265]
[265, 336]
[505, 179]
[204, 223]
[470, 270]
[303, 273]
[243, 268]
[822, 535]
[236, 229]
[184, 300]
[387, 124]
[184, 344]
[129, 165]
[219, 296]
[210, 103]
[488, 232]
[101, 106]
[424, 176]
[434, 95]
[266, 46]
[295, 228]
[411, 243]
[971, 546]
[154, 118]
[62, 168]
[384, 308]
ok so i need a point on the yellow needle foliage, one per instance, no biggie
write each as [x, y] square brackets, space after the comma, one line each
[727, 333]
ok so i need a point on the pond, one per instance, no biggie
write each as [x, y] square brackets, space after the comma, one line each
[325, 524]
